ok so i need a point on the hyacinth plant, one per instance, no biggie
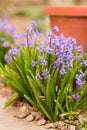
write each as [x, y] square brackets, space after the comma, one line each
[7, 37]
[49, 72]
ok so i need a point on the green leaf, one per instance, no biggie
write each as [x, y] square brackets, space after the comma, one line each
[70, 122]
[59, 106]
[69, 113]
[30, 101]
[41, 86]
[37, 93]
[33, 87]
[11, 100]
[50, 95]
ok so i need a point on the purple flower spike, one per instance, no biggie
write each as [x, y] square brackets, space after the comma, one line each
[81, 74]
[62, 71]
[30, 43]
[12, 29]
[14, 51]
[22, 35]
[40, 57]
[55, 28]
[54, 40]
[45, 72]
[15, 37]
[43, 62]
[85, 63]
[29, 28]
[34, 24]
[7, 59]
[33, 63]
[79, 49]
[46, 78]
[79, 83]
[50, 34]
[77, 76]
[72, 41]
[22, 44]
[40, 48]
[5, 44]
[57, 63]
[79, 57]
[48, 50]
[76, 96]
[38, 77]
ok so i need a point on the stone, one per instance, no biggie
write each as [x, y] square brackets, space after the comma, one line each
[71, 127]
[33, 109]
[65, 128]
[21, 115]
[35, 114]
[41, 122]
[30, 118]
[48, 126]
[38, 118]
[80, 118]
[23, 108]
[58, 124]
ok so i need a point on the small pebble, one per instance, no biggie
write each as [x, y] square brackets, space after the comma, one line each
[49, 125]
[59, 124]
[30, 118]
[35, 114]
[41, 122]
[71, 127]
[23, 108]
[80, 118]
[21, 115]
[38, 118]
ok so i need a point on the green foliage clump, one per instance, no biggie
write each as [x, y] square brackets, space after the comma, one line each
[49, 72]
[6, 38]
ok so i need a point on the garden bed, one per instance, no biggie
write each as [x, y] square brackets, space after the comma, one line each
[16, 113]
[22, 112]
[12, 122]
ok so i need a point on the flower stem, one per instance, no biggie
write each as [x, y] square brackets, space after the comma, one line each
[27, 43]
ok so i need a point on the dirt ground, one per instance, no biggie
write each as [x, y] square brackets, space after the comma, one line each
[9, 122]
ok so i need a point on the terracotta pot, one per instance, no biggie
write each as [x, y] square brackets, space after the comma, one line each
[71, 20]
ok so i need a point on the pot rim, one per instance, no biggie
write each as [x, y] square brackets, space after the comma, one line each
[80, 11]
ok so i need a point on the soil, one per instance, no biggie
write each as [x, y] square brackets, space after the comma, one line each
[8, 120]
[21, 116]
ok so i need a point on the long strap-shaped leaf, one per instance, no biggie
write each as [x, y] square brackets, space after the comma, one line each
[11, 100]
[39, 102]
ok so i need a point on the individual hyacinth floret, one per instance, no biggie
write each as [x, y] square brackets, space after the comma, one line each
[76, 96]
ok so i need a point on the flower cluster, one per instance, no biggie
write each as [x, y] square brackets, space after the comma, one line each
[7, 29]
[51, 70]
[7, 37]
[11, 53]
[78, 78]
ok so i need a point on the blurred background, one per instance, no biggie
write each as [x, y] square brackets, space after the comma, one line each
[22, 12]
